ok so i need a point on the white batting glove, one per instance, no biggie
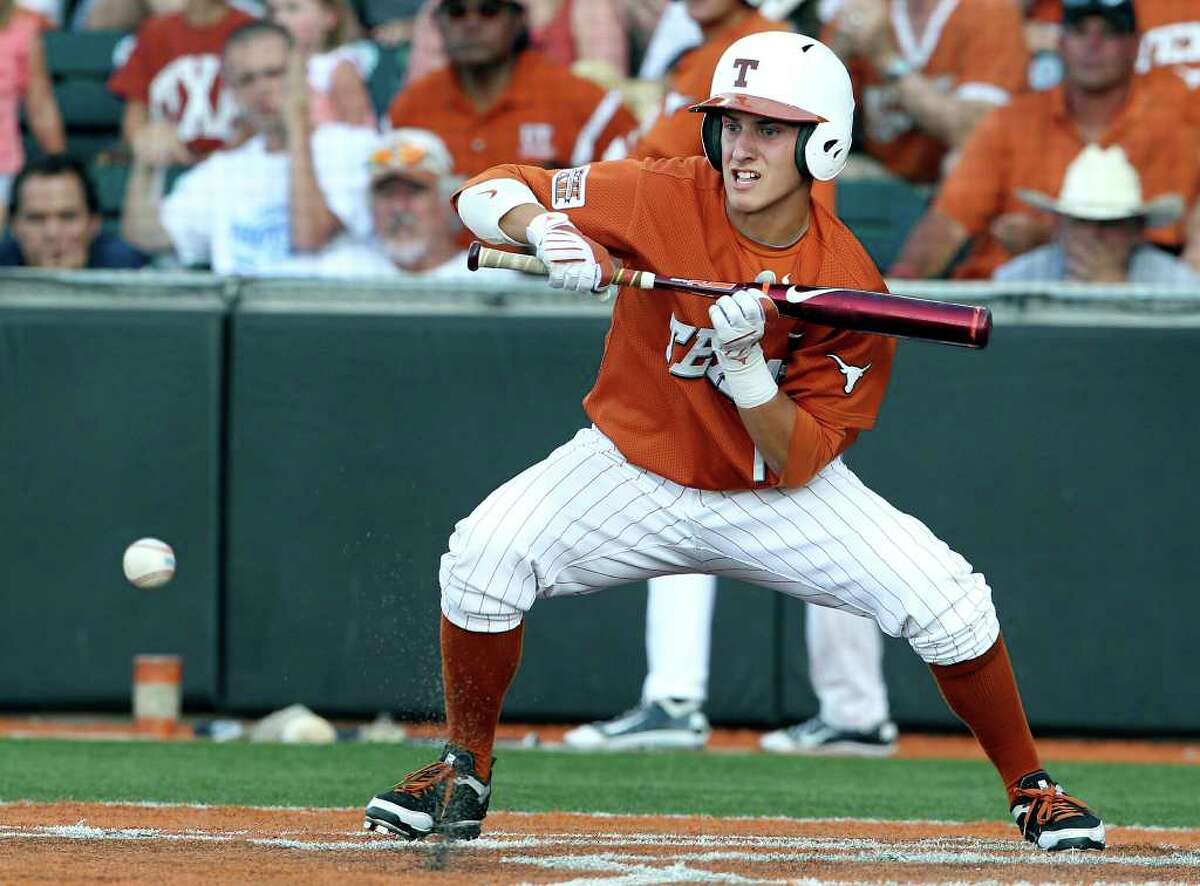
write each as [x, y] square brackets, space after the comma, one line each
[738, 325]
[575, 261]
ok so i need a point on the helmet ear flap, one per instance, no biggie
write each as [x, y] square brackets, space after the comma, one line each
[710, 137]
[802, 137]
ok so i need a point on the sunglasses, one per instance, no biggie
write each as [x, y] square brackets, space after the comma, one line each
[456, 10]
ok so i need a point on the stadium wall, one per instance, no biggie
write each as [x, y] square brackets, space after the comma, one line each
[308, 456]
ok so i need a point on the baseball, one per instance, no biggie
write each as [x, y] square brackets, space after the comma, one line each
[149, 563]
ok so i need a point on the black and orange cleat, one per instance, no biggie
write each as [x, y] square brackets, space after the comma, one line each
[1052, 819]
[446, 797]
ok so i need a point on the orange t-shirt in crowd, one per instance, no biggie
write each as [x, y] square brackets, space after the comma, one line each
[658, 393]
[175, 70]
[1030, 143]
[973, 50]
[675, 132]
[546, 116]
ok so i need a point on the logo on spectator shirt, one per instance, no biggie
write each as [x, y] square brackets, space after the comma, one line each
[187, 92]
[1176, 45]
[568, 188]
[537, 141]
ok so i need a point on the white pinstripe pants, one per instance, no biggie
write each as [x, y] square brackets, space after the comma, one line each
[585, 519]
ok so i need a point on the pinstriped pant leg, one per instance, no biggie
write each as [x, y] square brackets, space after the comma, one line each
[836, 543]
[578, 521]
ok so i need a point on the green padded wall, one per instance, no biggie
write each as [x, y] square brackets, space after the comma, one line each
[1061, 462]
[111, 431]
[356, 443]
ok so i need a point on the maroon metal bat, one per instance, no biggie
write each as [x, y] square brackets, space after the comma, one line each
[878, 312]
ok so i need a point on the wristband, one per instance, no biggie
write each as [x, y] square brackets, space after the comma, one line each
[751, 383]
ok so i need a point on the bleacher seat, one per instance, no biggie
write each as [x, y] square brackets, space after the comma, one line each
[81, 53]
[387, 77]
[880, 212]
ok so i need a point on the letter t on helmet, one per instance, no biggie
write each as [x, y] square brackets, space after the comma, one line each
[788, 77]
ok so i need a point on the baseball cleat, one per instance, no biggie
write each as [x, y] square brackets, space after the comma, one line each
[657, 725]
[1052, 819]
[446, 797]
[815, 736]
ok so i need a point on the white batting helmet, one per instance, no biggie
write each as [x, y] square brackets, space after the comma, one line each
[787, 77]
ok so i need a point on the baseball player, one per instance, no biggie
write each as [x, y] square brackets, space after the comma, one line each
[717, 434]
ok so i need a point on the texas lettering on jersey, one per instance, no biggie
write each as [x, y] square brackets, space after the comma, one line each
[182, 92]
[1172, 46]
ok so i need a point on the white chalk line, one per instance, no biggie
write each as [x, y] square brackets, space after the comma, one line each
[933, 851]
[783, 819]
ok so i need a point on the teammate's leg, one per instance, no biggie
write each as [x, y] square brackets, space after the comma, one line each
[845, 664]
[679, 612]
[834, 542]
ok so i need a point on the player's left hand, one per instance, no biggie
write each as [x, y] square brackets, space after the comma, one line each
[738, 325]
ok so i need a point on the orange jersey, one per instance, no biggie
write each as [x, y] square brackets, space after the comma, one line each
[658, 393]
[546, 116]
[1030, 143]
[971, 49]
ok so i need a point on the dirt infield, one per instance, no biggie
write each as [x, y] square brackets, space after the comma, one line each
[42, 842]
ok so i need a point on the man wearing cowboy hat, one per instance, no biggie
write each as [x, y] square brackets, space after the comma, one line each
[1101, 220]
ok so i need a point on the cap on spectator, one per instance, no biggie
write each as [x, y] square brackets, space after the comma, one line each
[415, 154]
[1119, 13]
[1102, 185]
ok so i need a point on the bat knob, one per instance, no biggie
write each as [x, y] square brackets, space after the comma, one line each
[473, 255]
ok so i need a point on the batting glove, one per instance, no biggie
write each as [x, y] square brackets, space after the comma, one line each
[574, 260]
[738, 325]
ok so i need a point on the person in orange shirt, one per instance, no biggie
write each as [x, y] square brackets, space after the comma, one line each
[720, 452]
[500, 102]
[1030, 143]
[926, 73]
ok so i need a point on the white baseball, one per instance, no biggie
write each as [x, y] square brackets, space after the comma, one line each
[149, 563]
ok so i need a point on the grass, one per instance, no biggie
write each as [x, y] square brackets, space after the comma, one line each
[684, 783]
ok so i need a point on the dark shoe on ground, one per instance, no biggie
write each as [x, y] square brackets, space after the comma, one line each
[446, 797]
[656, 725]
[1052, 819]
[815, 736]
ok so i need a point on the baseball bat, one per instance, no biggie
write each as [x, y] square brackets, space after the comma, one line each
[878, 312]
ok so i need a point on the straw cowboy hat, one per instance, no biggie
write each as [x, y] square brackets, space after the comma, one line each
[1102, 185]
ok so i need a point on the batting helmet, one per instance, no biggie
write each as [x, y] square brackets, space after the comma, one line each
[788, 77]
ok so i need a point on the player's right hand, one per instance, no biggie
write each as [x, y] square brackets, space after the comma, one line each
[574, 260]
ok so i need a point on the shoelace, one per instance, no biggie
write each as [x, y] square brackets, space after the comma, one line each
[1048, 804]
[426, 777]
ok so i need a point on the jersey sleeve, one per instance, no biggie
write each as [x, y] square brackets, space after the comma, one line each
[993, 57]
[674, 134]
[598, 197]
[131, 81]
[187, 212]
[974, 191]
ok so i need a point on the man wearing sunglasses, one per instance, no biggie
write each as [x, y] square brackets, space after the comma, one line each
[499, 101]
[1030, 143]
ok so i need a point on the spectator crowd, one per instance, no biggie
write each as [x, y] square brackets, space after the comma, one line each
[1050, 139]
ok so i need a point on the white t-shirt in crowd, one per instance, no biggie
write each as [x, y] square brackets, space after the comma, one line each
[231, 211]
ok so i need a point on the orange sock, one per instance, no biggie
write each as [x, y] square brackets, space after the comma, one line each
[476, 672]
[983, 692]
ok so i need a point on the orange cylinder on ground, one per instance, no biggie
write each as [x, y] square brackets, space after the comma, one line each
[157, 693]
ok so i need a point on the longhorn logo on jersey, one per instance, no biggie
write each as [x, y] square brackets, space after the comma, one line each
[853, 374]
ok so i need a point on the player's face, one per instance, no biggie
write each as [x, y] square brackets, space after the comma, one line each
[711, 12]
[256, 71]
[53, 227]
[479, 32]
[409, 216]
[758, 162]
[1096, 56]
